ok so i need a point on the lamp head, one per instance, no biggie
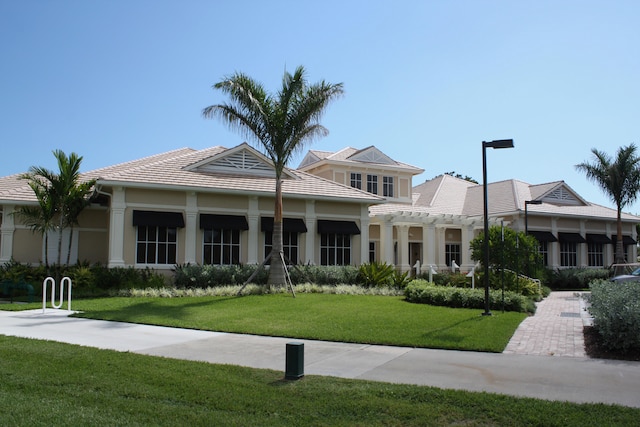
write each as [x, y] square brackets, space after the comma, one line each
[533, 202]
[498, 143]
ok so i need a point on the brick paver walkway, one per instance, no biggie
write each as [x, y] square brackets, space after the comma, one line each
[555, 330]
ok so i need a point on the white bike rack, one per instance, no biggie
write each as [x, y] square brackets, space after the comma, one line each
[65, 280]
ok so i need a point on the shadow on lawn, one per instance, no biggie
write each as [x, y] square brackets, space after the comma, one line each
[146, 311]
[444, 334]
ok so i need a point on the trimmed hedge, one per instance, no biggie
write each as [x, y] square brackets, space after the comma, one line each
[423, 292]
[615, 308]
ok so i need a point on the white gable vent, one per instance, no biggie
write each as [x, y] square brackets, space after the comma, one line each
[241, 162]
[562, 196]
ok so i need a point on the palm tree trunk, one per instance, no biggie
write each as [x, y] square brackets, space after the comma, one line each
[46, 249]
[60, 228]
[619, 255]
[277, 275]
[70, 242]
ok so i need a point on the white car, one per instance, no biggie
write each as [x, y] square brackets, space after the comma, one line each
[634, 276]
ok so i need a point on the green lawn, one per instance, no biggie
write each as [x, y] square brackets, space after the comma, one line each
[347, 318]
[46, 383]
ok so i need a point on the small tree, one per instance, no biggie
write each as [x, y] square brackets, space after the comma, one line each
[516, 251]
[61, 198]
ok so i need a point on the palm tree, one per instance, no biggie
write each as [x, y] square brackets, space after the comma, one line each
[40, 219]
[282, 124]
[61, 197]
[619, 179]
[74, 194]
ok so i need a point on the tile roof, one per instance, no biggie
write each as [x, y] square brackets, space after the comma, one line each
[168, 170]
[448, 195]
[347, 154]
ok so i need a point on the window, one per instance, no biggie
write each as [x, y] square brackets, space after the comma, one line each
[543, 250]
[372, 184]
[356, 180]
[595, 254]
[221, 246]
[568, 254]
[452, 253]
[156, 245]
[289, 245]
[335, 249]
[372, 251]
[387, 186]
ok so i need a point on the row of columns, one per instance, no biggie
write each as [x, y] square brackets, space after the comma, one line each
[433, 244]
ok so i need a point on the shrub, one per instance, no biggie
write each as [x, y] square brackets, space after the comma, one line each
[575, 278]
[324, 274]
[87, 280]
[204, 276]
[375, 274]
[615, 308]
[447, 278]
[421, 291]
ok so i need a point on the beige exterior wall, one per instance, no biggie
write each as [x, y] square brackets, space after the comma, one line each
[155, 197]
[27, 246]
[208, 202]
[332, 210]
[404, 189]
[93, 246]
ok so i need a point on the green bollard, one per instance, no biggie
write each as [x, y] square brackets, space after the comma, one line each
[294, 368]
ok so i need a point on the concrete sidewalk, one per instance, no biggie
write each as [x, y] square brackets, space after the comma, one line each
[575, 379]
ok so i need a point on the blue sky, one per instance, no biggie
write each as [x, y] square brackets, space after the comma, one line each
[425, 81]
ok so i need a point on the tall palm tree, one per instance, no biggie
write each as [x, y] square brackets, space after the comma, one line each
[619, 179]
[281, 124]
[61, 197]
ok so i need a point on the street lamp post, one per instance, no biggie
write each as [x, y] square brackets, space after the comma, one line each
[526, 217]
[498, 143]
[526, 224]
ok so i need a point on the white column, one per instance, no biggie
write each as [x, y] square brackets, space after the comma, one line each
[364, 235]
[386, 241]
[440, 253]
[253, 240]
[553, 248]
[312, 232]
[465, 251]
[609, 250]
[429, 245]
[582, 260]
[116, 228]
[403, 248]
[6, 233]
[191, 228]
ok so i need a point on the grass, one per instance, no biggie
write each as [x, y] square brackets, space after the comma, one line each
[347, 318]
[47, 383]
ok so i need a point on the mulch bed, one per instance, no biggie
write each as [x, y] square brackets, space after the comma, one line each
[594, 348]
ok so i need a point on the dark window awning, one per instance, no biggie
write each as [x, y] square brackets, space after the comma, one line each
[571, 238]
[598, 238]
[157, 219]
[225, 222]
[337, 227]
[543, 236]
[290, 225]
[626, 240]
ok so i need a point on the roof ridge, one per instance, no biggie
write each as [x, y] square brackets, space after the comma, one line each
[118, 166]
